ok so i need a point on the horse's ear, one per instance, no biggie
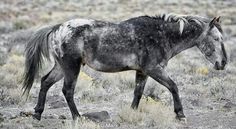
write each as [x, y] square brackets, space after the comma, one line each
[212, 23]
[218, 19]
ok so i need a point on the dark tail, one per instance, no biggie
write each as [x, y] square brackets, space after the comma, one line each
[36, 48]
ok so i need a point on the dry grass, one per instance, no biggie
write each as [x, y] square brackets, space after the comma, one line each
[108, 86]
[149, 114]
[128, 115]
[202, 70]
[12, 71]
[86, 91]
[81, 123]
[29, 123]
[10, 79]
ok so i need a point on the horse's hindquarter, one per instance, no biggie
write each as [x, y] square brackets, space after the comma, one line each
[111, 48]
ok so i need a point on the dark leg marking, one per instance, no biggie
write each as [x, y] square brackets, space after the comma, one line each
[46, 82]
[71, 68]
[159, 74]
[140, 81]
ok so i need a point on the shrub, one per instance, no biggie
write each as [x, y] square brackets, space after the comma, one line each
[10, 79]
[11, 72]
[202, 70]
[19, 25]
[81, 123]
[149, 114]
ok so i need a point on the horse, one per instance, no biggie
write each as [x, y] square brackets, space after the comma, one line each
[144, 44]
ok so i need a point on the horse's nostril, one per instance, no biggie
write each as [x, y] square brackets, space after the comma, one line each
[219, 66]
[223, 62]
[216, 66]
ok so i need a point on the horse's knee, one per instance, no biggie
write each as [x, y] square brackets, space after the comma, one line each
[174, 90]
[45, 87]
[172, 87]
[68, 93]
[46, 83]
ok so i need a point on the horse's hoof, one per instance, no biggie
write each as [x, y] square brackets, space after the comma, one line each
[36, 116]
[182, 119]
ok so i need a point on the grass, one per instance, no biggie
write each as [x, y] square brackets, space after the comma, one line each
[10, 79]
[150, 114]
[86, 90]
[128, 115]
[105, 88]
[81, 123]
[12, 71]
[19, 25]
[202, 70]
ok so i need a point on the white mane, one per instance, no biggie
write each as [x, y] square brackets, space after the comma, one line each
[183, 19]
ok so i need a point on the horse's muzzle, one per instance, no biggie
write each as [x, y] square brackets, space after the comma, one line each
[219, 66]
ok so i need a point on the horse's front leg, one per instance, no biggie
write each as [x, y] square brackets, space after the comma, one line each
[160, 75]
[140, 81]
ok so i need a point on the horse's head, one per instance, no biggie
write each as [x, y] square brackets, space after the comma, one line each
[211, 44]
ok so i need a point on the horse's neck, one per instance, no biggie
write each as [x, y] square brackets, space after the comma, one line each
[190, 36]
[180, 47]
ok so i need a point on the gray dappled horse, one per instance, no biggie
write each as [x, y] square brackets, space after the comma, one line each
[144, 44]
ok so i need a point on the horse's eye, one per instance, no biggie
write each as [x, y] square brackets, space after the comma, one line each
[208, 53]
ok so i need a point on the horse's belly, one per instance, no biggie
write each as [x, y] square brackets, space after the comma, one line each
[113, 63]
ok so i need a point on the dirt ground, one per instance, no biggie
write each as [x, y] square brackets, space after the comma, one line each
[208, 96]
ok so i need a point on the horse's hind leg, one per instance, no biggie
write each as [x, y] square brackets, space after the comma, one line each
[159, 74]
[140, 81]
[71, 68]
[46, 82]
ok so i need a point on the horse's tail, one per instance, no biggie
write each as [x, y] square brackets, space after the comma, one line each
[36, 48]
